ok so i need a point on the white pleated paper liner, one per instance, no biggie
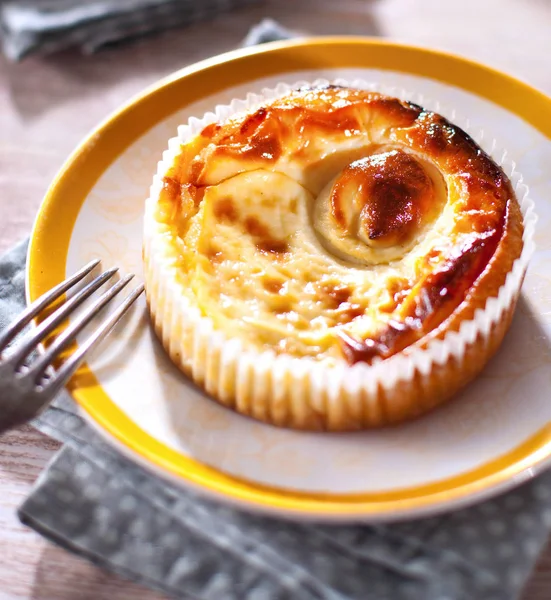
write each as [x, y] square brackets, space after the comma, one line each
[320, 394]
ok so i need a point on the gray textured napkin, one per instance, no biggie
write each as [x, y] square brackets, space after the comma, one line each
[94, 502]
[44, 26]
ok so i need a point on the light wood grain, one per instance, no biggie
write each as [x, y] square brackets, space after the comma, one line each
[47, 105]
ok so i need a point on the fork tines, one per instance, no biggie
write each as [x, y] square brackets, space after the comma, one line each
[31, 341]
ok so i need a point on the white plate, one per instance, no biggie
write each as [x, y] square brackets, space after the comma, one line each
[483, 441]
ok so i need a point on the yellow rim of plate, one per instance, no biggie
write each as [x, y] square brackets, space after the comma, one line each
[57, 215]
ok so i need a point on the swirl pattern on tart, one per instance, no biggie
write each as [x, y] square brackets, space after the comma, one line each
[338, 223]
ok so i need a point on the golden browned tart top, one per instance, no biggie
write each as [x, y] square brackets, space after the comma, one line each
[337, 222]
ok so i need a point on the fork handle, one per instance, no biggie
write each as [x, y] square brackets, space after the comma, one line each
[16, 410]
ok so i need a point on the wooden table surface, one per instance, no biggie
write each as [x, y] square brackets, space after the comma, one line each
[47, 105]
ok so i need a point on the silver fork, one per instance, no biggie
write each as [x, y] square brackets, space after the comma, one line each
[26, 387]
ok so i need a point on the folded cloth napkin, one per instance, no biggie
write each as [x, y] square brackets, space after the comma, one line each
[92, 501]
[29, 26]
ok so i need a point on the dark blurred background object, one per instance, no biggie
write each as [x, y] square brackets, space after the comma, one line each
[44, 26]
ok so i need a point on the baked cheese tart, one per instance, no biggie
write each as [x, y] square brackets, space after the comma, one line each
[308, 241]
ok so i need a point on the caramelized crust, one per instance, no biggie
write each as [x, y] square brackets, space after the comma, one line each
[390, 195]
[291, 128]
[390, 171]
